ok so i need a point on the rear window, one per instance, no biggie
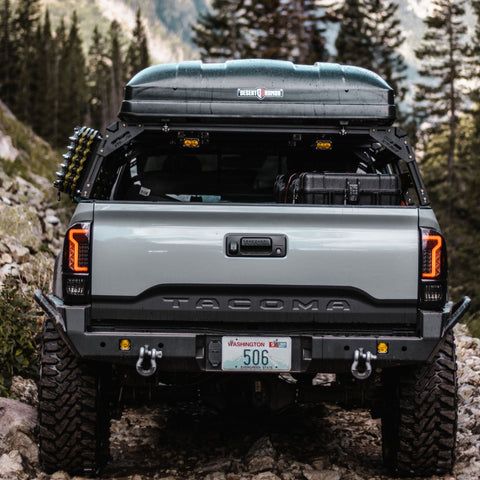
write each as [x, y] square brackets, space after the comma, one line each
[241, 169]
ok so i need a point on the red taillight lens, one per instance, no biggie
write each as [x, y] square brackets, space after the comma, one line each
[76, 264]
[432, 254]
[78, 248]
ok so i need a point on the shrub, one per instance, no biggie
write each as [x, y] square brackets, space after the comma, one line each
[473, 323]
[18, 335]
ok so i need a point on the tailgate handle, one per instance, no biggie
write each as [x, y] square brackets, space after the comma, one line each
[239, 245]
[256, 244]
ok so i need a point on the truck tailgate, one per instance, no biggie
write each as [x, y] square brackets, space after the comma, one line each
[140, 246]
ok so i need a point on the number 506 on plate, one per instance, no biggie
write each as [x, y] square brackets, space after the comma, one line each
[257, 354]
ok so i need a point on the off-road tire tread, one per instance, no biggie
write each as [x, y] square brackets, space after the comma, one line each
[419, 426]
[73, 421]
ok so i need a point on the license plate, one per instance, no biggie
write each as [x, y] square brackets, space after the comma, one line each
[253, 354]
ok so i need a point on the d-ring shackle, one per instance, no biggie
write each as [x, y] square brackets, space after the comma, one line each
[364, 360]
[146, 355]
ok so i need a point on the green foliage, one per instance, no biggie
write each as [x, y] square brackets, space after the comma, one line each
[24, 26]
[451, 144]
[473, 324]
[354, 45]
[220, 34]
[36, 156]
[71, 79]
[7, 53]
[443, 53]
[47, 80]
[118, 68]
[138, 56]
[18, 332]
[263, 29]
[370, 36]
[458, 211]
[98, 81]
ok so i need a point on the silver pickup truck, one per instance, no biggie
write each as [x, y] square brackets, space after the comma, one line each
[242, 228]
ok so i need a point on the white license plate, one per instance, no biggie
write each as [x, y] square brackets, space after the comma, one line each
[253, 354]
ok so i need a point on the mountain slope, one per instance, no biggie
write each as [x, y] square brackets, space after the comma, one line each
[165, 44]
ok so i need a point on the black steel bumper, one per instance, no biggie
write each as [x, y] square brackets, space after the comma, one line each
[194, 351]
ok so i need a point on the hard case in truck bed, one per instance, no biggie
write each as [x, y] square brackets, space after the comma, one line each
[345, 189]
[253, 90]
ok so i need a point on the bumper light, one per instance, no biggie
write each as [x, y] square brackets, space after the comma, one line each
[382, 347]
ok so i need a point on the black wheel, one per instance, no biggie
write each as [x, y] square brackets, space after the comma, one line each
[419, 421]
[73, 410]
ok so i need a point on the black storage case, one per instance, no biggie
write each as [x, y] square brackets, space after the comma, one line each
[256, 91]
[339, 189]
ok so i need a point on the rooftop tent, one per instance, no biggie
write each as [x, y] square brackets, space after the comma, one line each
[253, 90]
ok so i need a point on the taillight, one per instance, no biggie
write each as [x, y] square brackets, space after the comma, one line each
[432, 243]
[433, 269]
[78, 249]
[76, 264]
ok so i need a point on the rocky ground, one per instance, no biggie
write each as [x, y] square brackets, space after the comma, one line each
[29, 231]
[188, 442]
[31, 225]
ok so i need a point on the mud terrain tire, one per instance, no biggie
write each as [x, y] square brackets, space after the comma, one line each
[419, 422]
[74, 424]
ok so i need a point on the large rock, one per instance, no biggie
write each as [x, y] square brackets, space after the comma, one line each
[7, 150]
[322, 475]
[266, 476]
[261, 456]
[25, 390]
[11, 466]
[17, 424]
[20, 225]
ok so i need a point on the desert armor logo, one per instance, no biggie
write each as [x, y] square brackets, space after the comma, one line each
[260, 93]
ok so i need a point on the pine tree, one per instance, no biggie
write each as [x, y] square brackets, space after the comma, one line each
[72, 83]
[475, 65]
[271, 33]
[315, 27]
[99, 67]
[138, 56]
[117, 72]
[44, 92]
[370, 36]
[354, 44]
[25, 26]
[387, 37]
[443, 53]
[59, 86]
[276, 29]
[6, 52]
[221, 33]
[306, 31]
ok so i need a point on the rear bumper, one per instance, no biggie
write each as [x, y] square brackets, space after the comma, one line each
[193, 351]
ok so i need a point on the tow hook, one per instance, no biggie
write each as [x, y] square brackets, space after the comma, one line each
[362, 366]
[147, 361]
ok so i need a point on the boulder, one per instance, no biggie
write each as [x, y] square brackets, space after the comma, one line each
[261, 456]
[17, 424]
[19, 224]
[11, 466]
